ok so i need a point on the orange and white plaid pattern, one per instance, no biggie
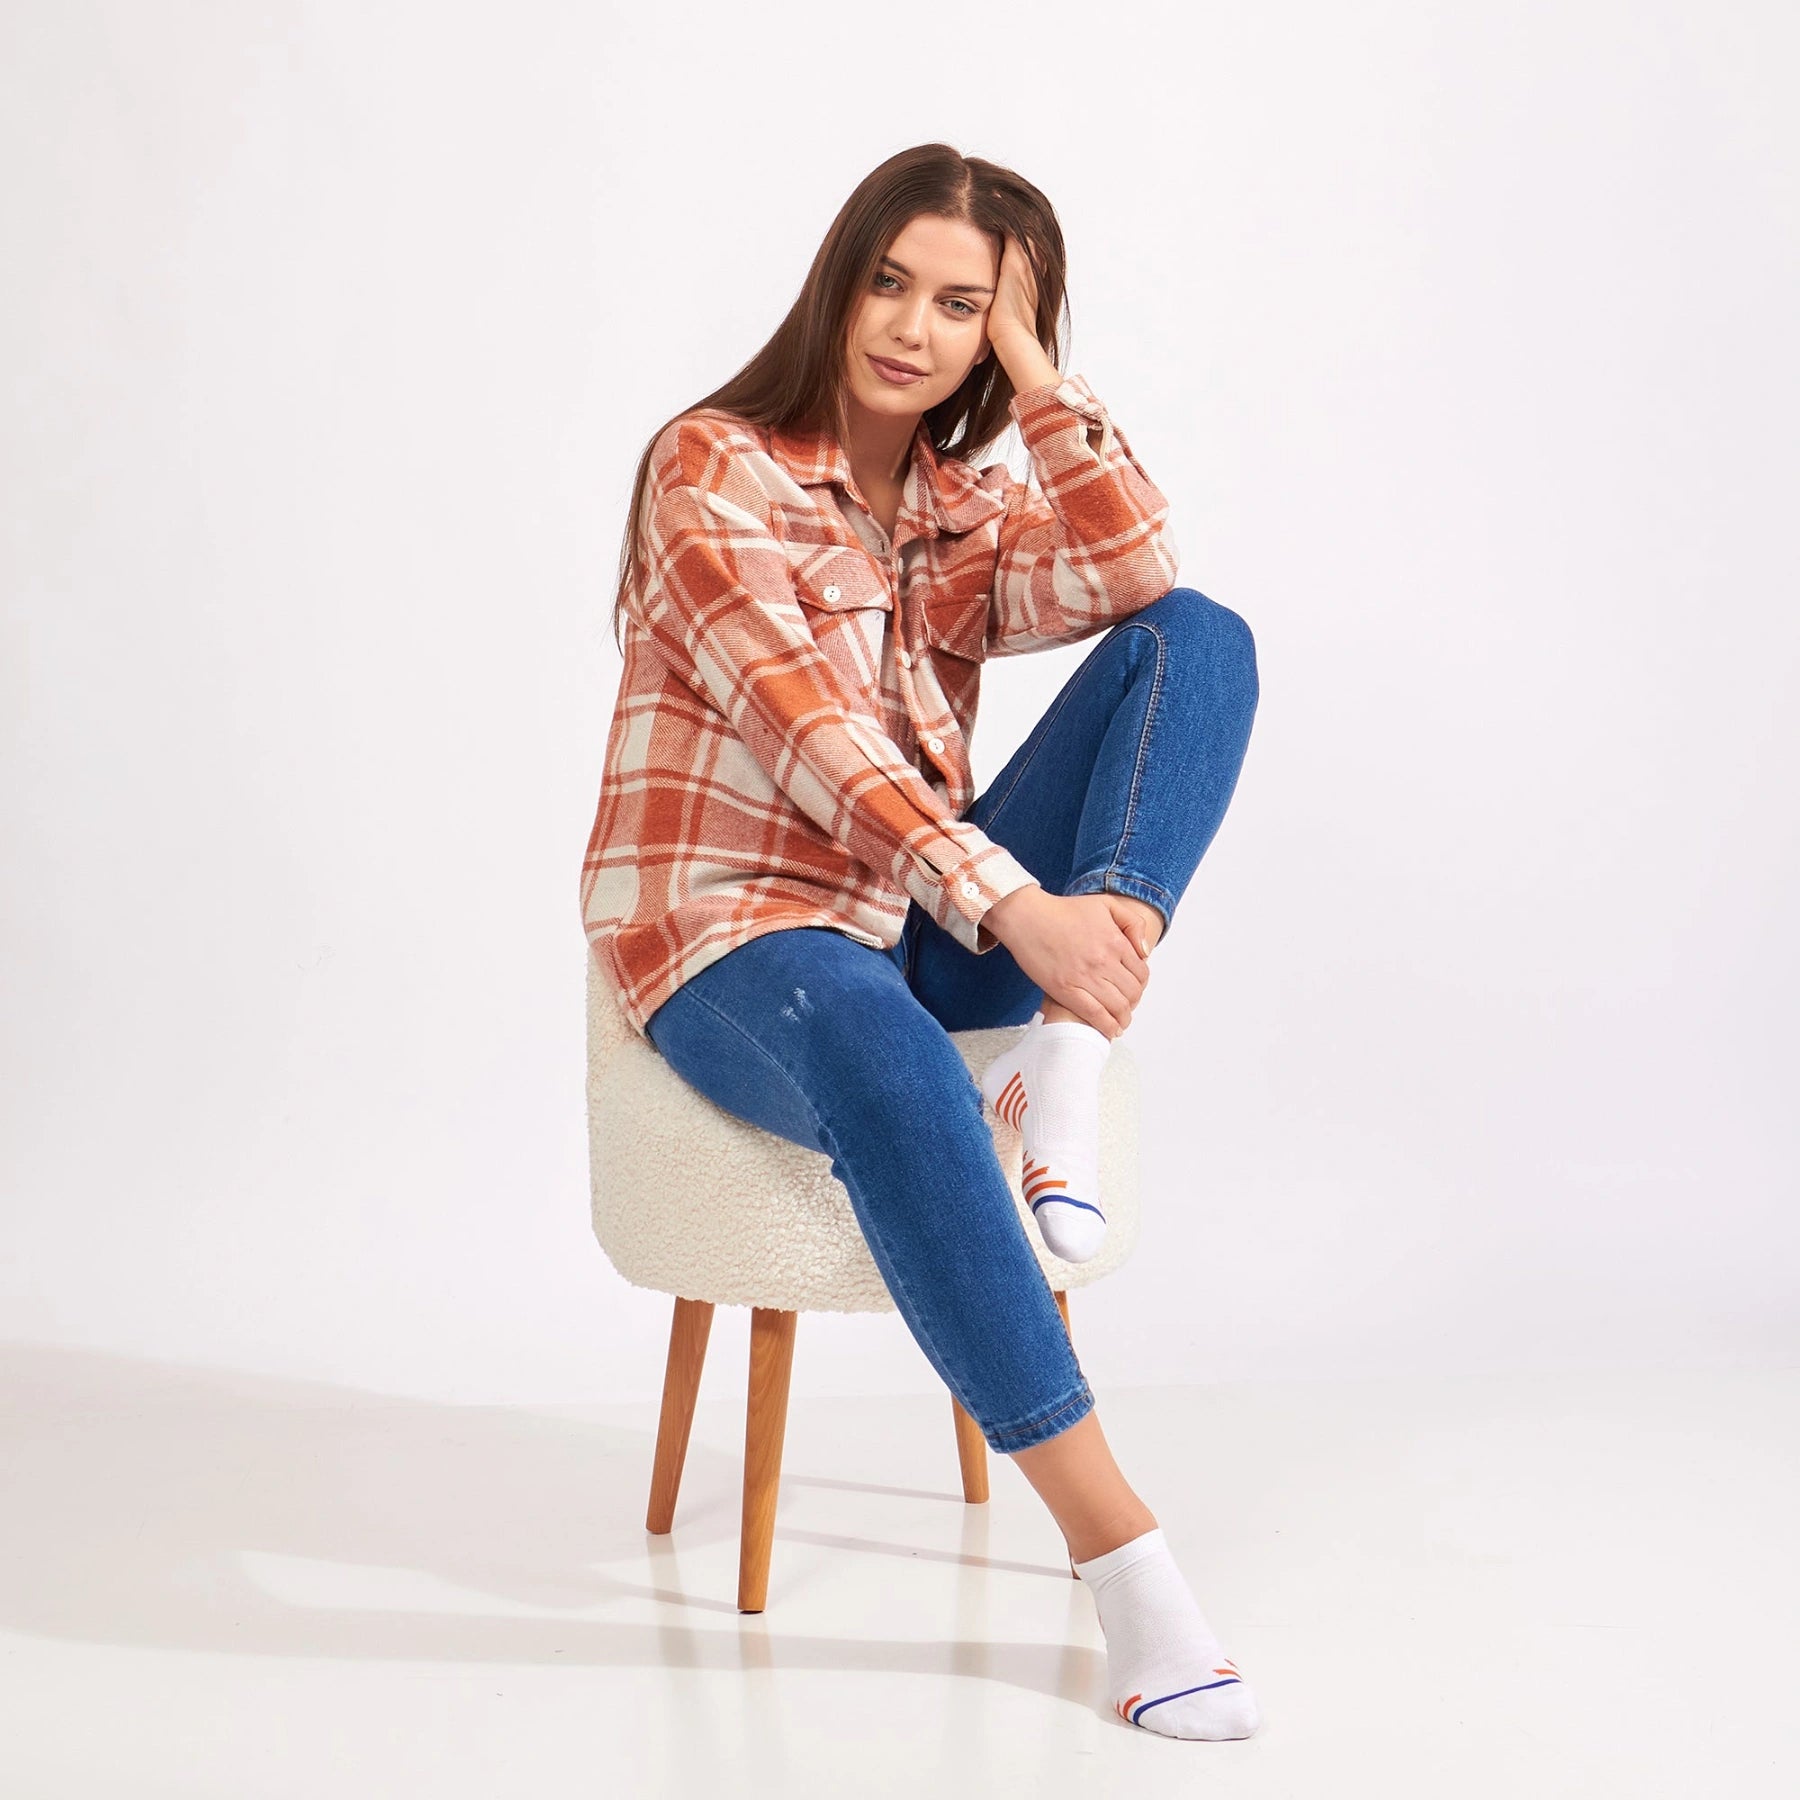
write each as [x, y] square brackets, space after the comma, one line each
[790, 744]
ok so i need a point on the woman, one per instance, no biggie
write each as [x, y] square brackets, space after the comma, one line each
[790, 883]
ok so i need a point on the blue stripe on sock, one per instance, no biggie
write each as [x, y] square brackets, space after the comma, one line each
[1064, 1200]
[1137, 1712]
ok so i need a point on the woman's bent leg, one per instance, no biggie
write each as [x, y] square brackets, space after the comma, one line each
[817, 1038]
[1120, 788]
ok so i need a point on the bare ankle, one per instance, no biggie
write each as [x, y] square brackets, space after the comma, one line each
[1120, 1529]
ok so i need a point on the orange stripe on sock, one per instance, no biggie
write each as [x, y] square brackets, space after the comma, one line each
[1012, 1100]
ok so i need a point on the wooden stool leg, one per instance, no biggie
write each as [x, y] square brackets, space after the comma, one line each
[971, 1446]
[765, 1427]
[971, 1453]
[681, 1387]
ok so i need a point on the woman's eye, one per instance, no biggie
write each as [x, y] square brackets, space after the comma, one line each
[881, 275]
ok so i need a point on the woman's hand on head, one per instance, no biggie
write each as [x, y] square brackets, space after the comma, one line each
[1083, 950]
[1014, 310]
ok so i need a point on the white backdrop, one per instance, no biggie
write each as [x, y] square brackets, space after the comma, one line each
[1463, 346]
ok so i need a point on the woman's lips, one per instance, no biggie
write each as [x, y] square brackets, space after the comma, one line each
[888, 372]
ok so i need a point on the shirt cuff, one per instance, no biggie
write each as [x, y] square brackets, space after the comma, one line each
[969, 890]
[1034, 412]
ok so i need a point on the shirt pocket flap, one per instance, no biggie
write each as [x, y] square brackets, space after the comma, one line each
[839, 578]
[958, 623]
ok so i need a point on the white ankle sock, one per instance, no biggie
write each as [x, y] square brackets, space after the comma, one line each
[1164, 1668]
[1048, 1086]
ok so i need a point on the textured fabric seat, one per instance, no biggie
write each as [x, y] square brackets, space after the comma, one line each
[690, 1200]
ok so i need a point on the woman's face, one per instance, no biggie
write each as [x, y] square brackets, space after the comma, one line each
[926, 307]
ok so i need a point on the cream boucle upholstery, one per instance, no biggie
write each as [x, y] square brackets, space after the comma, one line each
[690, 1200]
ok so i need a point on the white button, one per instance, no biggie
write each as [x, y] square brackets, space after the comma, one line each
[971, 889]
[934, 743]
[832, 591]
[906, 659]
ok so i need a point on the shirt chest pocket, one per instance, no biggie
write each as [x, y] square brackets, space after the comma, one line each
[837, 578]
[956, 618]
[847, 605]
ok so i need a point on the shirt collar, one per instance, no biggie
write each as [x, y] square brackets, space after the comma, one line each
[955, 500]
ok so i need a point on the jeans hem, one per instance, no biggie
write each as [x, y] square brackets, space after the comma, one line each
[1008, 1438]
[1137, 887]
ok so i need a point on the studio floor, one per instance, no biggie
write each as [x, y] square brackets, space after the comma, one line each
[231, 1585]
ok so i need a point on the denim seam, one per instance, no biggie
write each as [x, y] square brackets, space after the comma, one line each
[1137, 771]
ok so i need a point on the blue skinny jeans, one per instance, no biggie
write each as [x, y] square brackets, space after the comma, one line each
[1120, 788]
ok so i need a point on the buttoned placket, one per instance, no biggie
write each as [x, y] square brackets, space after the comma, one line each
[909, 524]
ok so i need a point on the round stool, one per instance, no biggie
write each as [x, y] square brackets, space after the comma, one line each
[692, 1201]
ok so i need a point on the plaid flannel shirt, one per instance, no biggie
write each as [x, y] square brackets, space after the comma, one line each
[790, 743]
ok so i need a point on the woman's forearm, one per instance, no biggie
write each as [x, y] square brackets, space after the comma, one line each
[1023, 359]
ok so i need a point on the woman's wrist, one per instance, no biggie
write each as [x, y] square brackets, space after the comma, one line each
[1006, 909]
[1023, 359]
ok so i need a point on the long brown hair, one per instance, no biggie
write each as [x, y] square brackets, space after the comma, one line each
[797, 380]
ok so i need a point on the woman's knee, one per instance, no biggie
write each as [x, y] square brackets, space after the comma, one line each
[1189, 610]
[1202, 627]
